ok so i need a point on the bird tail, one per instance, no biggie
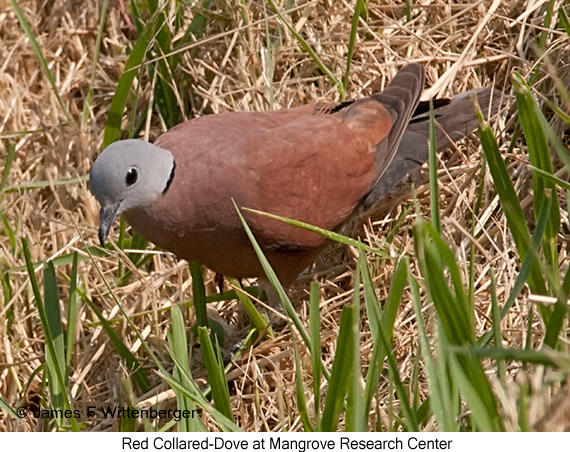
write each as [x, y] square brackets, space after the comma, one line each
[456, 119]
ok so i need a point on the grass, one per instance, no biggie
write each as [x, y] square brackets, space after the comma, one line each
[420, 318]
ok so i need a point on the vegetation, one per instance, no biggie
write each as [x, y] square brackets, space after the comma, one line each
[445, 310]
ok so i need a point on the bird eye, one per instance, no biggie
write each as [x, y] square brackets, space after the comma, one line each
[132, 176]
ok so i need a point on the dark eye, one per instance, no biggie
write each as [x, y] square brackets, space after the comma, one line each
[132, 176]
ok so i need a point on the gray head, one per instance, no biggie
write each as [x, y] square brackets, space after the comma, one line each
[129, 174]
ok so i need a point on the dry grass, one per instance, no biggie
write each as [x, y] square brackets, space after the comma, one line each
[463, 46]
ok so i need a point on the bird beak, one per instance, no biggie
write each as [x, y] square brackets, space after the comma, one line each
[107, 216]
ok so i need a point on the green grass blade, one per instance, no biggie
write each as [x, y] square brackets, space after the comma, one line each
[551, 178]
[300, 390]
[55, 362]
[9, 232]
[197, 26]
[216, 375]
[195, 395]
[496, 327]
[67, 259]
[131, 362]
[559, 112]
[139, 23]
[540, 158]
[165, 96]
[440, 399]
[395, 380]
[483, 420]
[409, 4]
[381, 322]
[54, 368]
[359, 11]
[4, 406]
[187, 387]
[433, 190]
[523, 407]
[395, 227]
[115, 115]
[129, 423]
[287, 306]
[540, 43]
[11, 153]
[179, 348]
[545, 357]
[200, 302]
[435, 259]
[45, 184]
[341, 373]
[566, 281]
[199, 294]
[39, 55]
[563, 20]
[554, 320]
[371, 301]
[189, 390]
[257, 319]
[315, 332]
[324, 232]
[513, 212]
[527, 266]
[95, 62]
[177, 337]
[560, 148]
[137, 243]
[71, 313]
[305, 45]
[545, 29]
[474, 223]
[355, 415]
[6, 304]
[555, 323]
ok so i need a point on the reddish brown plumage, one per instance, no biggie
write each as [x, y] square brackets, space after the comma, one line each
[293, 163]
[311, 163]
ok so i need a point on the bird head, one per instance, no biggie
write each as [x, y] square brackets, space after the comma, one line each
[129, 174]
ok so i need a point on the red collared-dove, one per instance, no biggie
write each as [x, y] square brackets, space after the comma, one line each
[316, 163]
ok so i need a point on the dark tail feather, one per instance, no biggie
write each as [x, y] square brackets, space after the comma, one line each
[400, 98]
[456, 117]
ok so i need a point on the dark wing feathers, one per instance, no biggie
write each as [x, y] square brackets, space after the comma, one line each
[400, 98]
[456, 117]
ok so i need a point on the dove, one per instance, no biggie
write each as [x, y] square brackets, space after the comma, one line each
[317, 163]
